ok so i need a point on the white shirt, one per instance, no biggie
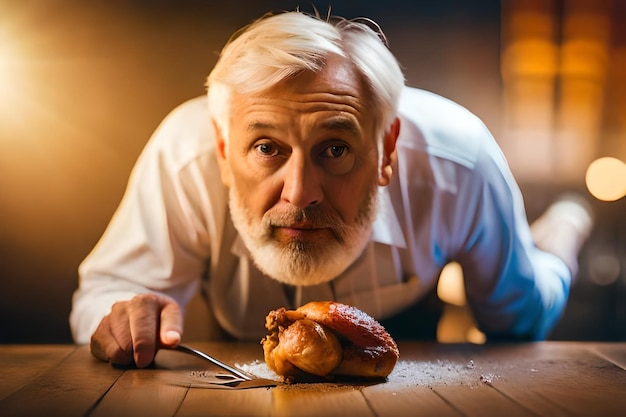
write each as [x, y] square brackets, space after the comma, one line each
[452, 197]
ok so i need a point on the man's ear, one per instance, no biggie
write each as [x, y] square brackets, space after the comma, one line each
[222, 155]
[389, 152]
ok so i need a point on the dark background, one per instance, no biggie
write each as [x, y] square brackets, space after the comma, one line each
[94, 79]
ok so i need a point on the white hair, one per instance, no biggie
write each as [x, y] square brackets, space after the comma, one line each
[278, 46]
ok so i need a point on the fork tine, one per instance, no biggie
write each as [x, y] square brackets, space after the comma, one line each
[225, 366]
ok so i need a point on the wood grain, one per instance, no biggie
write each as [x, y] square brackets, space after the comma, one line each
[139, 393]
[456, 375]
[332, 400]
[216, 403]
[22, 363]
[73, 385]
[612, 353]
[557, 379]
[408, 400]
[526, 379]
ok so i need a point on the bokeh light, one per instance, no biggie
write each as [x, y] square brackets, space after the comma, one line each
[450, 288]
[606, 179]
[457, 324]
[604, 269]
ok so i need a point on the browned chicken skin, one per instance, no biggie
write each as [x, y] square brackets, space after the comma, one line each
[327, 338]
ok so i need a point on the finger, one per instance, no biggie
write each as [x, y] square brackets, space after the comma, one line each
[171, 323]
[97, 343]
[120, 326]
[104, 346]
[143, 315]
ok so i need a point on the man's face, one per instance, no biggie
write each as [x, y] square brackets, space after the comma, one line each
[302, 166]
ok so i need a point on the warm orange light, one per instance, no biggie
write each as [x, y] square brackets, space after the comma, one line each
[12, 79]
[450, 288]
[606, 179]
[476, 336]
[8, 75]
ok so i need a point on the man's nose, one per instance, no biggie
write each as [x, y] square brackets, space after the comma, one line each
[301, 184]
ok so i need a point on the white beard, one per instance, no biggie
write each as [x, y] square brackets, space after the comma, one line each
[304, 263]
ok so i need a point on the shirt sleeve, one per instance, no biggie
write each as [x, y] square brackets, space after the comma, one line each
[515, 290]
[158, 239]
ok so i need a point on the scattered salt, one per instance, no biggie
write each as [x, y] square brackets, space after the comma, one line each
[436, 373]
[487, 378]
[407, 373]
[258, 368]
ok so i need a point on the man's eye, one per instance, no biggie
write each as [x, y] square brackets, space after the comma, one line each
[337, 159]
[266, 149]
[335, 151]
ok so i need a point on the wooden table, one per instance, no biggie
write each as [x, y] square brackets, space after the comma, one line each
[530, 379]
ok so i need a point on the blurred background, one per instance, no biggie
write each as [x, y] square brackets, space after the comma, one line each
[83, 84]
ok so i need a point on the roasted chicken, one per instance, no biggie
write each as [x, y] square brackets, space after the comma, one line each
[326, 339]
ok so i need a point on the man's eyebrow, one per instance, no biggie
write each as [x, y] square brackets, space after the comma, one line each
[329, 124]
[258, 125]
[341, 124]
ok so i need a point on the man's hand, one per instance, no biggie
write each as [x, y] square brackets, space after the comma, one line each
[136, 329]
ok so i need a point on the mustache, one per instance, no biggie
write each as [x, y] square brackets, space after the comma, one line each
[312, 217]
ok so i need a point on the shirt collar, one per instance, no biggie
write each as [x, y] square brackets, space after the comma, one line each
[386, 228]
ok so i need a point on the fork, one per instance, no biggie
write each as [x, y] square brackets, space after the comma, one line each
[214, 361]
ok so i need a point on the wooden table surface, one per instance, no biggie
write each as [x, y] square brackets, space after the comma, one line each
[528, 379]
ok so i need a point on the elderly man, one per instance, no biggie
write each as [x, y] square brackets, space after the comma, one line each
[313, 173]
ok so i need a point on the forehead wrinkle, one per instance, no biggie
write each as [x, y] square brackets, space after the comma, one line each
[337, 123]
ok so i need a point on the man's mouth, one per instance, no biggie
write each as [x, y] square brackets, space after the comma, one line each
[300, 232]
